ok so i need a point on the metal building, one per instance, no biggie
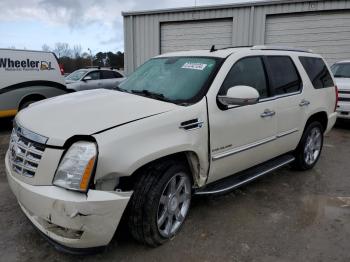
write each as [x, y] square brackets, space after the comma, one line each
[323, 26]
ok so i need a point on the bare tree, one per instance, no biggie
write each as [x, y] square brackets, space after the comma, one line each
[85, 55]
[45, 48]
[77, 51]
[62, 50]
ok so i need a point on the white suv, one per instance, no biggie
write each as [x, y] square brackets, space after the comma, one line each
[341, 71]
[183, 124]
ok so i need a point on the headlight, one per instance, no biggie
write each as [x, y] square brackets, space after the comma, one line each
[76, 167]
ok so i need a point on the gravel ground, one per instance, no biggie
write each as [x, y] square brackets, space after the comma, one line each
[286, 216]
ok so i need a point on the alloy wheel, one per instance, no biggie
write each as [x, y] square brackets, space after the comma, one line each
[174, 204]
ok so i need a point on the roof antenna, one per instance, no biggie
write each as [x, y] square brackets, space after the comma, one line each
[213, 49]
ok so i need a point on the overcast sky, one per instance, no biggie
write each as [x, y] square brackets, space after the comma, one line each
[94, 24]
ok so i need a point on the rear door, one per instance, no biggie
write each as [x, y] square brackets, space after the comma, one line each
[291, 102]
[110, 79]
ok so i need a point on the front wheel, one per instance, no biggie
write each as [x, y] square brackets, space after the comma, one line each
[160, 202]
[309, 149]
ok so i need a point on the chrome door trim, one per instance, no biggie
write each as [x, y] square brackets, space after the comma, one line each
[243, 148]
[268, 113]
[286, 133]
[195, 125]
[280, 96]
[252, 145]
[272, 98]
[304, 103]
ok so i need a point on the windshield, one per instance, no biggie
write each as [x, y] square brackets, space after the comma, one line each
[175, 79]
[341, 70]
[76, 75]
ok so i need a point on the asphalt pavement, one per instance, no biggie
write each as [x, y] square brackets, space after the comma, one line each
[285, 216]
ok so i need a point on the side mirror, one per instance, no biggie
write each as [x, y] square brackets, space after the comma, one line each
[87, 78]
[240, 96]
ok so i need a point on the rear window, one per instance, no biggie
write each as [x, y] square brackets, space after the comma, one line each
[317, 71]
[283, 75]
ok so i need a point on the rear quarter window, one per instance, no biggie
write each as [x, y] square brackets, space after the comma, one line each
[317, 71]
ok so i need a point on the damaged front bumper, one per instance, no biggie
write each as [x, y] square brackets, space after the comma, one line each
[70, 219]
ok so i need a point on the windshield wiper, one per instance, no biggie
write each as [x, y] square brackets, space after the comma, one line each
[121, 89]
[150, 94]
[341, 76]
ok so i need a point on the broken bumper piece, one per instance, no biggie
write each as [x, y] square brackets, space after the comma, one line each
[71, 220]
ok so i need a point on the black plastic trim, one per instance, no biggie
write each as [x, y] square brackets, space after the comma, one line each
[34, 83]
[71, 250]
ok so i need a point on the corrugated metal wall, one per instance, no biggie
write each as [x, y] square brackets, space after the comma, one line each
[194, 35]
[326, 33]
[142, 30]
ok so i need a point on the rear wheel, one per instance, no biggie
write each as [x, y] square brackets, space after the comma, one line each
[160, 202]
[310, 147]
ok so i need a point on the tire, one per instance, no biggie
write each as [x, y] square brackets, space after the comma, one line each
[153, 204]
[25, 104]
[310, 146]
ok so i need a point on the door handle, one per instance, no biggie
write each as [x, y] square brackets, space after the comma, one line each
[304, 103]
[268, 113]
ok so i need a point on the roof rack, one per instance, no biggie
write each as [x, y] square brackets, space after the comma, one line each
[91, 67]
[281, 48]
[213, 49]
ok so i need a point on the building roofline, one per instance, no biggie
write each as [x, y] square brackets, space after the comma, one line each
[208, 7]
[25, 50]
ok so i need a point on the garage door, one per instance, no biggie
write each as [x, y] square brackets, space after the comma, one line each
[181, 36]
[325, 33]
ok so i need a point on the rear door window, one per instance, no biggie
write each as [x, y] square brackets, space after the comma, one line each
[117, 75]
[317, 71]
[108, 74]
[283, 75]
[248, 71]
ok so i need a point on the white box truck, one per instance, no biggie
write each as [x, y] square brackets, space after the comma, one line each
[27, 77]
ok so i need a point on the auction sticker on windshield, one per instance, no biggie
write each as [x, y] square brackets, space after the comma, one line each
[195, 66]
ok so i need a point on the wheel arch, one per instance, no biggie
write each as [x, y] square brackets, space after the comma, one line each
[320, 117]
[30, 97]
[189, 158]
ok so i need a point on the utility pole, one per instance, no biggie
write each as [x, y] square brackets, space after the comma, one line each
[91, 61]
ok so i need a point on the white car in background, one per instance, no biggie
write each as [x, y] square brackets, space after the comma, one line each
[341, 72]
[94, 78]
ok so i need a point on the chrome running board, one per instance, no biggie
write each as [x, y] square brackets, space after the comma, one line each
[234, 181]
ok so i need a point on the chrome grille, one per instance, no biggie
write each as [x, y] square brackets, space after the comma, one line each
[347, 99]
[25, 155]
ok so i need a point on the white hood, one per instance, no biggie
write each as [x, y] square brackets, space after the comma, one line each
[87, 112]
[343, 83]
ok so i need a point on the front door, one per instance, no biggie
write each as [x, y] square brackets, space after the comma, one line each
[242, 136]
[93, 83]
